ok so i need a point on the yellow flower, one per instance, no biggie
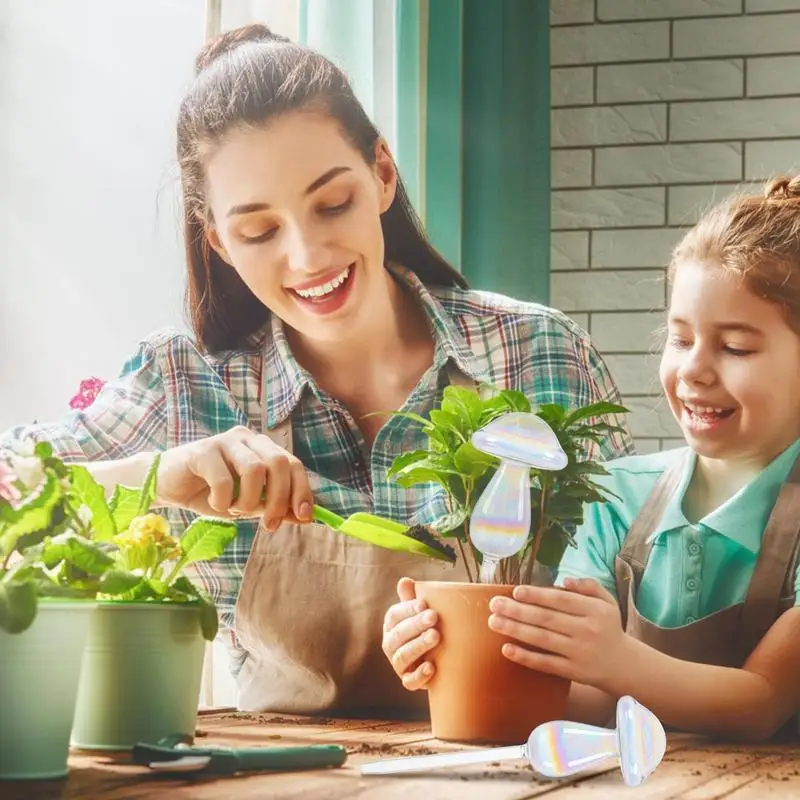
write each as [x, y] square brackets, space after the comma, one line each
[149, 528]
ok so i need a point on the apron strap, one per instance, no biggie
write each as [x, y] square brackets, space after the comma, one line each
[773, 577]
[637, 546]
[635, 551]
[281, 434]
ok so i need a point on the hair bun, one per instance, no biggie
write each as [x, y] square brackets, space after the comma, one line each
[230, 40]
[783, 188]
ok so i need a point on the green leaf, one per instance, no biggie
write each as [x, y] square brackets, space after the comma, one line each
[600, 409]
[18, 604]
[182, 586]
[426, 423]
[417, 475]
[464, 404]
[124, 506]
[552, 546]
[145, 590]
[209, 620]
[148, 495]
[516, 400]
[449, 522]
[563, 508]
[77, 551]
[471, 462]
[206, 539]
[43, 451]
[405, 460]
[118, 582]
[554, 415]
[493, 408]
[58, 467]
[89, 492]
[588, 468]
[449, 423]
[35, 515]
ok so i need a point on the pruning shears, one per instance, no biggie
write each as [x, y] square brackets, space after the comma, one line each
[172, 754]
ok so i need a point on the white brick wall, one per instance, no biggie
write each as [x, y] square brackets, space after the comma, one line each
[659, 109]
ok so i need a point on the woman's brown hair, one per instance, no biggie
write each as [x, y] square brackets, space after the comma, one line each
[756, 238]
[245, 77]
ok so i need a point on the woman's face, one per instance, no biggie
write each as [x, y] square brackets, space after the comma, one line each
[296, 212]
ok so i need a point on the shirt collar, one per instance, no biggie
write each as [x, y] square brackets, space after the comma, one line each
[286, 379]
[744, 516]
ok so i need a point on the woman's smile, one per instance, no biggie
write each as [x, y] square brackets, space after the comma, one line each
[326, 294]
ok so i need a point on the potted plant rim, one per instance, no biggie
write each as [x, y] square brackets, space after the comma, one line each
[476, 694]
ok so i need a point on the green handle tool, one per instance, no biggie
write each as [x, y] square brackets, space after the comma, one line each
[168, 756]
[382, 532]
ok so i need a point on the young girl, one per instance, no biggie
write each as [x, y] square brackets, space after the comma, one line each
[682, 590]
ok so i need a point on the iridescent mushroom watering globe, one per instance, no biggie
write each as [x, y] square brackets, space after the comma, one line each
[501, 519]
[560, 749]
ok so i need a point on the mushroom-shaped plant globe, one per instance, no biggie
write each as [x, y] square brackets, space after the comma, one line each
[501, 520]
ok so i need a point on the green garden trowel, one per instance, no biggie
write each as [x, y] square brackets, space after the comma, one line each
[386, 533]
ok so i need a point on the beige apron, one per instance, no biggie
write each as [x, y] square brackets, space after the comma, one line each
[310, 616]
[728, 636]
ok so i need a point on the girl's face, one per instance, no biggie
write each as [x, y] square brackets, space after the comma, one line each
[730, 368]
[296, 213]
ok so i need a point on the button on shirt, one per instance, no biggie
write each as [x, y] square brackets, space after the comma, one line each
[693, 569]
[170, 393]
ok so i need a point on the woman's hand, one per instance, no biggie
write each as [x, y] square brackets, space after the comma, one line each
[201, 476]
[579, 629]
[408, 634]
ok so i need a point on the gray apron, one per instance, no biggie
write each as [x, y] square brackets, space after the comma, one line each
[728, 636]
[310, 615]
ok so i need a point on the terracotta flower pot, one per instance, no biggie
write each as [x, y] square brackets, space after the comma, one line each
[477, 694]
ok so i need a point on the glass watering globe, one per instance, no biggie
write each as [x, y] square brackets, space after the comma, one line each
[501, 519]
[560, 749]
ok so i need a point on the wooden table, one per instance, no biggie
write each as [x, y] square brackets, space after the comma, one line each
[693, 769]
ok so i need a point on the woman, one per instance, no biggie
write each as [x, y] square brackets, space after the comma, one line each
[315, 299]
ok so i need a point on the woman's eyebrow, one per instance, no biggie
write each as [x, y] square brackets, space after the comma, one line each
[327, 177]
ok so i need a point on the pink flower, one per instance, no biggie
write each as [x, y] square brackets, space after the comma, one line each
[8, 488]
[88, 391]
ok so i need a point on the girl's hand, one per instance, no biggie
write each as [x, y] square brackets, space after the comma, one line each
[579, 627]
[408, 634]
[200, 476]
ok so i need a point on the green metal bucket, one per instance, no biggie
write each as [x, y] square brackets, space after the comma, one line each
[39, 676]
[141, 675]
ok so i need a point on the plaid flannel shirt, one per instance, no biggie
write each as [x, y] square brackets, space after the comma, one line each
[170, 393]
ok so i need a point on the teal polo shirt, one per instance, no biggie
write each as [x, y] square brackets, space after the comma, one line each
[694, 569]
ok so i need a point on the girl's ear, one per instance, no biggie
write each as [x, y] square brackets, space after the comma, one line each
[216, 244]
[386, 174]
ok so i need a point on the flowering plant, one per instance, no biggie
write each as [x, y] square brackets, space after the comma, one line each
[87, 392]
[61, 538]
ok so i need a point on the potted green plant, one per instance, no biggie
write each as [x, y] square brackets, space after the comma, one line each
[45, 611]
[144, 656]
[136, 674]
[477, 694]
